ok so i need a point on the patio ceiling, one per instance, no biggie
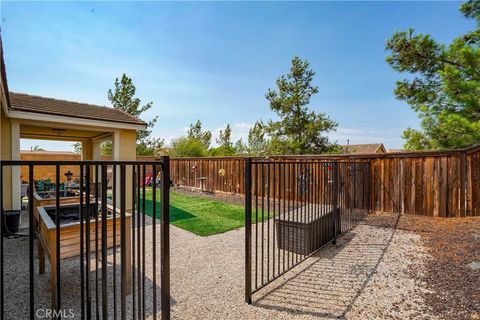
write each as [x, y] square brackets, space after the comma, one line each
[62, 133]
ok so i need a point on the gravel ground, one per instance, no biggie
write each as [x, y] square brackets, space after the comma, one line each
[374, 272]
[342, 281]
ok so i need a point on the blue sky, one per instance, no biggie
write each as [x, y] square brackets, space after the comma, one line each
[214, 61]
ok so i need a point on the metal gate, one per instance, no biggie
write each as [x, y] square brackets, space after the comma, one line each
[294, 208]
[90, 248]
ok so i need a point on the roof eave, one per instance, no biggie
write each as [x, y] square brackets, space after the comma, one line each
[35, 116]
[3, 79]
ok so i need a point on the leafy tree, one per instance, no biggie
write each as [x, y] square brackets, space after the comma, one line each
[150, 147]
[443, 86]
[195, 132]
[240, 147]
[188, 147]
[37, 148]
[123, 98]
[225, 137]
[299, 130]
[225, 146]
[77, 147]
[415, 140]
[257, 141]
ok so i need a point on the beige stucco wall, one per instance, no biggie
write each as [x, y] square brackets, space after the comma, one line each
[87, 150]
[6, 154]
[125, 148]
[124, 145]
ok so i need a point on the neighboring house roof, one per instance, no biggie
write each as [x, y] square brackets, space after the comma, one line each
[396, 150]
[36, 104]
[363, 148]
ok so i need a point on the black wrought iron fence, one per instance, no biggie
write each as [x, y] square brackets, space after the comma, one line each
[108, 257]
[294, 208]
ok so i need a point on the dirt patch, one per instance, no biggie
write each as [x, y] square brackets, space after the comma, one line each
[452, 244]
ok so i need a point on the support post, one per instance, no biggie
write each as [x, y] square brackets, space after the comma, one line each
[248, 230]
[16, 179]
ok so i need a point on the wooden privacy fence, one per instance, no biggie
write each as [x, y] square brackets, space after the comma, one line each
[439, 183]
[48, 172]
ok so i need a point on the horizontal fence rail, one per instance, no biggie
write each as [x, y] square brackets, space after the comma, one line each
[292, 209]
[108, 258]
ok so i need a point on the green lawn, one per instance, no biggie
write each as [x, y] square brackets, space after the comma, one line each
[199, 215]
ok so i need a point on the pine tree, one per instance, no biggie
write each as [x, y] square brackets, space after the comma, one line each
[299, 130]
[443, 86]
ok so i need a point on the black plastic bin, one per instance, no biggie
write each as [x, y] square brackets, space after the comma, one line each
[10, 221]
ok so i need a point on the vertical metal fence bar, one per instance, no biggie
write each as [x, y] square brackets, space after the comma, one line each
[335, 201]
[297, 211]
[351, 202]
[341, 195]
[97, 305]
[291, 207]
[274, 196]
[135, 204]
[248, 230]
[303, 204]
[57, 239]
[347, 207]
[104, 243]
[139, 285]
[2, 297]
[82, 245]
[319, 205]
[268, 222]
[370, 181]
[256, 224]
[313, 204]
[144, 211]
[312, 189]
[165, 247]
[87, 243]
[263, 223]
[154, 240]
[31, 236]
[325, 204]
[123, 245]
[114, 209]
[284, 211]
[279, 215]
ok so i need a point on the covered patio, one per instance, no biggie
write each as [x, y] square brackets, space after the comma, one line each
[35, 117]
